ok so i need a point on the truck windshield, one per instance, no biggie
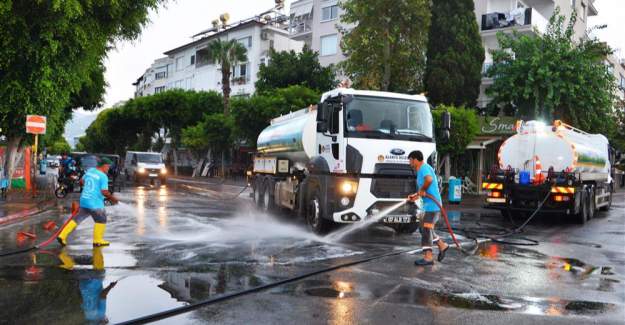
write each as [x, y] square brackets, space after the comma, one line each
[150, 158]
[384, 118]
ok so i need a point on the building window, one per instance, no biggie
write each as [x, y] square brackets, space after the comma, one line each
[241, 74]
[159, 89]
[160, 75]
[179, 84]
[622, 82]
[202, 58]
[329, 44]
[192, 59]
[246, 41]
[583, 13]
[573, 4]
[329, 13]
[179, 63]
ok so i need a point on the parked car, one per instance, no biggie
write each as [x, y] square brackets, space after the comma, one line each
[141, 166]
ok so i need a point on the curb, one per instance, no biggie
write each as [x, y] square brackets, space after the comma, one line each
[41, 207]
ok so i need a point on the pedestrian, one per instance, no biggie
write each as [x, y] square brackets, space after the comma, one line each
[95, 186]
[427, 183]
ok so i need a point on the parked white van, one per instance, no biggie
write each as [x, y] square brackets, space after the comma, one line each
[140, 166]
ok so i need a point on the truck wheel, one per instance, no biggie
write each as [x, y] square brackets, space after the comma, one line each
[258, 194]
[268, 197]
[582, 215]
[592, 205]
[60, 192]
[314, 215]
[406, 228]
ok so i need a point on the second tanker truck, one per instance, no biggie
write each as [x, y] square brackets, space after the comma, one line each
[557, 168]
[345, 159]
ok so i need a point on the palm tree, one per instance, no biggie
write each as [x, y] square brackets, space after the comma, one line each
[227, 54]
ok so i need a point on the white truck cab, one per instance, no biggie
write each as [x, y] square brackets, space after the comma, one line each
[346, 159]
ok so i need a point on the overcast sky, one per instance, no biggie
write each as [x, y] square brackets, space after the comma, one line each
[173, 25]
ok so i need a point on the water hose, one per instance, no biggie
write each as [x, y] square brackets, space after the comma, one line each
[46, 242]
[449, 228]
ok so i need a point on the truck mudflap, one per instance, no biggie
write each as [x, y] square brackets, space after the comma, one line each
[363, 209]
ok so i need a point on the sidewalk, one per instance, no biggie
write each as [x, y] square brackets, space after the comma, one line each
[20, 204]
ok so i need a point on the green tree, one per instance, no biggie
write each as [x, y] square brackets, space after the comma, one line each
[252, 115]
[464, 127]
[455, 54]
[59, 146]
[49, 51]
[227, 54]
[553, 76]
[288, 68]
[386, 48]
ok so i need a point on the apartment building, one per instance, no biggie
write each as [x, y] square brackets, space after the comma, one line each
[317, 23]
[523, 16]
[190, 66]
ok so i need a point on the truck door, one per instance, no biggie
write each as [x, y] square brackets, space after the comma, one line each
[332, 142]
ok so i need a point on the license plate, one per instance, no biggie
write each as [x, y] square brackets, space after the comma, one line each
[153, 175]
[397, 219]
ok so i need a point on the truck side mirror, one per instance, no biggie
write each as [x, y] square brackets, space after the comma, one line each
[446, 126]
[321, 113]
[446, 121]
[322, 126]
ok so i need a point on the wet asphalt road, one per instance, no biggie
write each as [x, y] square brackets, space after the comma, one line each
[171, 247]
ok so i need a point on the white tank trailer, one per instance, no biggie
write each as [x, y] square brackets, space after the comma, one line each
[569, 165]
[344, 159]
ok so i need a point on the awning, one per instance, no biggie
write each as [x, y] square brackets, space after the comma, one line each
[305, 9]
[481, 143]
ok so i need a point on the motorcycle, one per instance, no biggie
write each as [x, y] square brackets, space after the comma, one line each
[67, 185]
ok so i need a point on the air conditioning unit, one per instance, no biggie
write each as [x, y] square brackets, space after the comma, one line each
[264, 35]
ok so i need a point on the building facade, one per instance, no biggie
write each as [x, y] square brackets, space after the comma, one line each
[191, 67]
[317, 23]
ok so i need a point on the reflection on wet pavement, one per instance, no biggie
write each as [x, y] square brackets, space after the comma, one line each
[170, 248]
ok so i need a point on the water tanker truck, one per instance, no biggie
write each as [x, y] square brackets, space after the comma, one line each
[345, 159]
[564, 167]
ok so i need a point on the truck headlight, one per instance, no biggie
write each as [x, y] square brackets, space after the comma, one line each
[349, 187]
[163, 170]
[141, 170]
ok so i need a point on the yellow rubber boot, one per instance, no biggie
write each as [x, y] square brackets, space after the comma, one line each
[98, 235]
[98, 258]
[66, 260]
[62, 238]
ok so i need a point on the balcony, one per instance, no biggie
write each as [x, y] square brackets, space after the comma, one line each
[301, 19]
[522, 20]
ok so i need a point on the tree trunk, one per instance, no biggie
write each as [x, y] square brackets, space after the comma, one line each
[225, 87]
[12, 147]
[223, 164]
[386, 76]
[175, 152]
[447, 167]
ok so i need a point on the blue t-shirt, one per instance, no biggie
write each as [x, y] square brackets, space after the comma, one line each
[428, 204]
[94, 182]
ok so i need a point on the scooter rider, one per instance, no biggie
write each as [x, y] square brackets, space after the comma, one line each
[427, 183]
[95, 189]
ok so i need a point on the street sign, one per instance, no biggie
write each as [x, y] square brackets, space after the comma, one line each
[35, 124]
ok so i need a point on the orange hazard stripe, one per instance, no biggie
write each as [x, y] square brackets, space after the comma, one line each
[492, 186]
[563, 190]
